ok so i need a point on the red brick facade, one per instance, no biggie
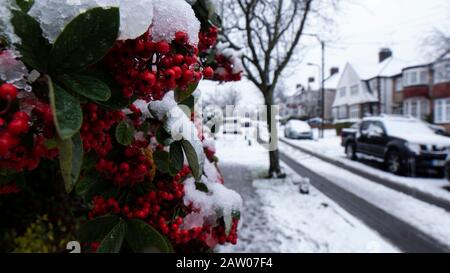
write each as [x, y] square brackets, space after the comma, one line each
[441, 90]
[415, 91]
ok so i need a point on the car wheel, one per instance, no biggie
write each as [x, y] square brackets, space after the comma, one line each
[350, 151]
[394, 162]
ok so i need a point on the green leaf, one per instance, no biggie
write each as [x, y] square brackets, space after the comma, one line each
[96, 229]
[162, 135]
[228, 220]
[70, 160]
[116, 101]
[85, 40]
[25, 5]
[192, 158]
[176, 157]
[125, 133]
[50, 143]
[86, 86]
[114, 239]
[143, 238]
[201, 187]
[97, 186]
[189, 102]
[66, 110]
[162, 160]
[183, 94]
[34, 48]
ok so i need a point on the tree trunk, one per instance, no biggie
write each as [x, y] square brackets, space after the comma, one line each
[274, 156]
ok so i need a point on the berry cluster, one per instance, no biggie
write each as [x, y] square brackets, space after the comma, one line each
[147, 70]
[22, 135]
[208, 39]
[136, 167]
[96, 128]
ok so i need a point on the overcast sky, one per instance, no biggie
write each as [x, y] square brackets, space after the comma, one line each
[362, 27]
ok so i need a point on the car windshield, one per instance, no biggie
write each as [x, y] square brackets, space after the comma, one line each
[406, 127]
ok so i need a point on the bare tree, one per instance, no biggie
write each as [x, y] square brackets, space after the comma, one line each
[268, 33]
[437, 43]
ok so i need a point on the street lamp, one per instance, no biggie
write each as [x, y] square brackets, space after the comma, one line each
[322, 44]
[321, 76]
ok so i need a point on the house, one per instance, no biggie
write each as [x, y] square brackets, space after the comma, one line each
[395, 87]
[306, 102]
[367, 90]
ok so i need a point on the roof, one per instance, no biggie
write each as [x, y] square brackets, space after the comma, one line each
[390, 67]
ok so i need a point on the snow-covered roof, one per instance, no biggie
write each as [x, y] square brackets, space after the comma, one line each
[390, 67]
[333, 81]
[348, 79]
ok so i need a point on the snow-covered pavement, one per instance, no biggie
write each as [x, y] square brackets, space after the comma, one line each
[277, 218]
[331, 147]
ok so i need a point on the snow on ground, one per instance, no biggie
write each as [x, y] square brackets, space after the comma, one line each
[427, 218]
[277, 218]
[331, 146]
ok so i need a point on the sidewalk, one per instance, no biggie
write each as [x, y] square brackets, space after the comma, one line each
[277, 218]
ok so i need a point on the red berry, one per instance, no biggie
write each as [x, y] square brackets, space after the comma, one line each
[6, 143]
[8, 91]
[21, 116]
[170, 74]
[18, 126]
[208, 72]
[188, 75]
[178, 59]
[163, 47]
[181, 37]
[148, 78]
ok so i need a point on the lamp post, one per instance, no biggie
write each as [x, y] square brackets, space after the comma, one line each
[322, 44]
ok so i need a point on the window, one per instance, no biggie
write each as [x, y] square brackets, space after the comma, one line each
[398, 85]
[447, 110]
[342, 92]
[354, 90]
[423, 77]
[439, 111]
[413, 78]
[418, 108]
[354, 111]
[442, 72]
[342, 112]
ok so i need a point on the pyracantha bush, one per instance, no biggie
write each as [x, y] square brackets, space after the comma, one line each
[92, 120]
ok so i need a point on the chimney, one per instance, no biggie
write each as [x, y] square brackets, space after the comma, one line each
[334, 70]
[384, 54]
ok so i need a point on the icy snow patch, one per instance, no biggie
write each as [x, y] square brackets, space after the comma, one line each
[172, 16]
[53, 15]
[219, 201]
[6, 28]
[12, 70]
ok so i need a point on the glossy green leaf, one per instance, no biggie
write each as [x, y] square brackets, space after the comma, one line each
[162, 160]
[70, 160]
[67, 113]
[86, 86]
[143, 238]
[85, 40]
[96, 229]
[183, 94]
[192, 158]
[34, 48]
[176, 157]
[125, 133]
[112, 243]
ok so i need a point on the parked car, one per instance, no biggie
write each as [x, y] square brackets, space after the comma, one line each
[315, 122]
[297, 129]
[405, 145]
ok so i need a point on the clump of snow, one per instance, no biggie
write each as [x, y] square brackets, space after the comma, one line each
[177, 123]
[6, 28]
[218, 202]
[211, 172]
[142, 105]
[172, 16]
[53, 15]
[12, 70]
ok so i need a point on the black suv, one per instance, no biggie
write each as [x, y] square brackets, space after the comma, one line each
[405, 145]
